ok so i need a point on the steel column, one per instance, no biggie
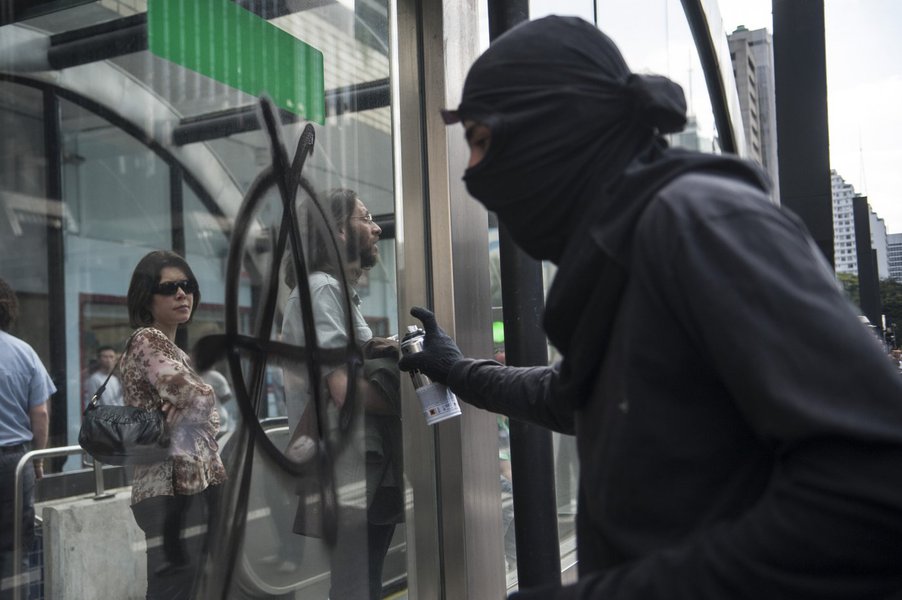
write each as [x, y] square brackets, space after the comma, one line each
[532, 453]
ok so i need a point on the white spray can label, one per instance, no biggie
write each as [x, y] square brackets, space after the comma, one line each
[438, 402]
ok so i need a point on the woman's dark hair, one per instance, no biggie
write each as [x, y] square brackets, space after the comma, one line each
[146, 277]
[9, 306]
[340, 205]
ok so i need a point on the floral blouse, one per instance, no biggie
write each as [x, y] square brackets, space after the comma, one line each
[155, 370]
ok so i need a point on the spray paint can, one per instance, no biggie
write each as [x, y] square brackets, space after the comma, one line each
[436, 399]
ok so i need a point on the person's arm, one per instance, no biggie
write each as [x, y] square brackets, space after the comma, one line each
[755, 300]
[373, 402]
[39, 416]
[525, 393]
[87, 393]
[337, 384]
[185, 395]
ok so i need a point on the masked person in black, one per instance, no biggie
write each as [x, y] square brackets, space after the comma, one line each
[739, 434]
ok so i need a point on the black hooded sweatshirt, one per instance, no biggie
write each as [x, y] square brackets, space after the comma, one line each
[739, 430]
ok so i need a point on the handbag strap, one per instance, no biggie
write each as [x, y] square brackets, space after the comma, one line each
[95, 399]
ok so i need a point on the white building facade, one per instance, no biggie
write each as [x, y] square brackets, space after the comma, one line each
[879, 243]
[894, 256]
[753, 65]
[845, 256]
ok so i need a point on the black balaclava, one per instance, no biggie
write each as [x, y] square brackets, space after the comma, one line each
[576, 155]
[566, 116]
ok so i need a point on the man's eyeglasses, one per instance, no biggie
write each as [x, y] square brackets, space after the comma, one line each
[367, 218]
[171, 288]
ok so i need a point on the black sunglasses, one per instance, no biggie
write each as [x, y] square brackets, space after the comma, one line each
[171, 288]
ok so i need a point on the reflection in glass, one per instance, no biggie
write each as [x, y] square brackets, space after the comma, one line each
[206, 231]
[116, 188]
[343, 426]
[26, 212]
[364, 431]
[505, 479]
[22, 168]
[663, 45]
[129, 185]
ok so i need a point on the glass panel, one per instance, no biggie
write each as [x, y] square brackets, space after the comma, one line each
[206, 231]
[504, 454]
[585, 9]
[22, 147]
[116, 193]
[663, 45]
[206, 249]
[566, 462]
[25, 218]
[154, 156]
[115, 188]
[23, 181]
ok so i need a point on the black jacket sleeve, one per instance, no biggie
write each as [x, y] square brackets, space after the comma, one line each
[525, 393]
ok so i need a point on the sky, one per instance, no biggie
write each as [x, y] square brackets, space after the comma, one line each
[864, 92]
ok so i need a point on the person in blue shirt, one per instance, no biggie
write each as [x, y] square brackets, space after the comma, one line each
[25, 388]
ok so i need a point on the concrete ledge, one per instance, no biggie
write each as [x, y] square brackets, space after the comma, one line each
[93, 549]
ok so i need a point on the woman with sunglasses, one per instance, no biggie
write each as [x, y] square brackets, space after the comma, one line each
[156, 374]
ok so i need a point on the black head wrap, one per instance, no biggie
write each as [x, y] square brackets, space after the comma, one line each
[566, 116]
[576, 154]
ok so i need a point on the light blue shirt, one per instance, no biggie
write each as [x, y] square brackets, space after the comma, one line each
[331, 332]
[328, 314]
[24, 384]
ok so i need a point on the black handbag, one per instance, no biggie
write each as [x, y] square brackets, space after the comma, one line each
[123, 435]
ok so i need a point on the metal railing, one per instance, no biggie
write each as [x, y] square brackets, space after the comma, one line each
[26, 460]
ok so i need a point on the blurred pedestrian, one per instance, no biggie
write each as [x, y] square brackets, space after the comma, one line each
[106, 362]
[25, 389]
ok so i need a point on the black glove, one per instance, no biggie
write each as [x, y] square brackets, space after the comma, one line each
[439, 351]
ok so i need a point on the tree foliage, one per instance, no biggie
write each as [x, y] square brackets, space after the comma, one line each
[850, 285]
[890, 301]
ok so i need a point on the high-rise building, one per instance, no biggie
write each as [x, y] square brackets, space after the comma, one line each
[689, 137]
[845, 256]
[845, 259]
[753, 67]
[879, 243]
[894, 255]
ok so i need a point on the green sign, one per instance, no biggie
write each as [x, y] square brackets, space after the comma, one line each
[221, 40]
[498, 332]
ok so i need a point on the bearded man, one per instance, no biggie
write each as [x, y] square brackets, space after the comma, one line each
[363, 429]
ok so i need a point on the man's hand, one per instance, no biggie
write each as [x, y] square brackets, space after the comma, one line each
[379, 347]
[439, 351]
[38, 468]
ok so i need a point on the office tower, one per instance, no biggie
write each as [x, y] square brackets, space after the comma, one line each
[844, 257]
[753, 66]
[894, 255]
